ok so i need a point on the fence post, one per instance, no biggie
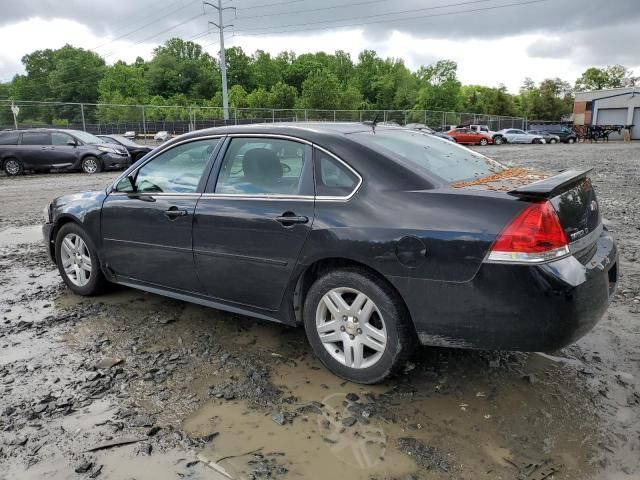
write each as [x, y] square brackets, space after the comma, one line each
[444, 121]
[305, 115]
[273, 115]
[235, 115]
[84, 125]
[334, 116]
[405, 118]
[144, 125]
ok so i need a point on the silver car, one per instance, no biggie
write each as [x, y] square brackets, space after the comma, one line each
[515, 135]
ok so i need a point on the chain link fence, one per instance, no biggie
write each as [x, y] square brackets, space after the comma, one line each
[147, 120]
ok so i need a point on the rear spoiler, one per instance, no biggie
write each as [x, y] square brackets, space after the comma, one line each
[550, 187]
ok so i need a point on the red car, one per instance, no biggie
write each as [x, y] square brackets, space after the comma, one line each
[471, 137]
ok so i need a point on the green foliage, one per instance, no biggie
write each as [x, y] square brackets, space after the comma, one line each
[612, 76]
[181, 75]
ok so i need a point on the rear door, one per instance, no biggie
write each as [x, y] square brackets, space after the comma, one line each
[146, 228]
[35, 150]
[253, 220]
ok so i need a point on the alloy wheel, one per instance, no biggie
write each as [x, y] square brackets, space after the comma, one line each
[351, 327]
[90, 165]
[12, 167]
[76, 259]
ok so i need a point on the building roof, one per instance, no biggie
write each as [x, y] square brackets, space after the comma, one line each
[611, 92]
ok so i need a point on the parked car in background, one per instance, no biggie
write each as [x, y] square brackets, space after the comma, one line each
[423, 128]
[470, 137]
[515, 135]
[374, 241]
[497, 137]
[162, 136]
[130, 134]
[43, 149]
[548, 137]
[565, 133]
[136, 150]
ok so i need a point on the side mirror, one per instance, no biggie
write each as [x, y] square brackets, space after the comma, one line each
[72, 142]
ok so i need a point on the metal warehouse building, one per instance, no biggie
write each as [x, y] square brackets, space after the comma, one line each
[618, 106]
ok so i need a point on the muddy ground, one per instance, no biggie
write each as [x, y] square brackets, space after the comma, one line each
[132, 385]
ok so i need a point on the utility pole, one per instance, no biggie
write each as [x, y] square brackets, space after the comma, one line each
[223, 62]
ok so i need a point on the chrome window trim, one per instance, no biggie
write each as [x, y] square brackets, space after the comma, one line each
[240, 196]
[154, 194]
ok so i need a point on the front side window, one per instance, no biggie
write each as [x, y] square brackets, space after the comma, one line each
[36, 138]
[177, 170]
[262, 166]
[59, 138]
[333, 179]
[447, 160]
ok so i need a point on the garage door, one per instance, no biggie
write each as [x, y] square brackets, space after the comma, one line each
[635, 133]
[612, 116]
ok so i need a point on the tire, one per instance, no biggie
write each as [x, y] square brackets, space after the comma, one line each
[536, 141]
[484, 142]
[571, 140]
[75, 274]
[553, 140]
[498, 140]
[387, 326]
[91, 165]
[13, 167]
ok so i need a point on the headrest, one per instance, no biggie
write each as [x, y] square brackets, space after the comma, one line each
[261, 166]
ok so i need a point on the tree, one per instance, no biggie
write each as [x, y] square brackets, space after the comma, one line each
[320, 91]
[239, 70]
[439, 87]
[612, 76]
[265, 72]
[283, 96]
[259, 98]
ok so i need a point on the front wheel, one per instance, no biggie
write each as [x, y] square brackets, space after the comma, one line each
[91, 165]
[357, 325]
[13, 167]
[498, 141]
[553, 140]
[78, 261]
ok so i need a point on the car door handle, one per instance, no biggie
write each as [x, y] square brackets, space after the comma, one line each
[175, 212]
[289, 219]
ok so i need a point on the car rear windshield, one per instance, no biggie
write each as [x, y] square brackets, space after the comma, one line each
[440, 157]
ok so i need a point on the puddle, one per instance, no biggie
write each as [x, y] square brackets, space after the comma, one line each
[20, 235]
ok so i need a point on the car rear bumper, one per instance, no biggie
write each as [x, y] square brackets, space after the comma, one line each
[515, 307]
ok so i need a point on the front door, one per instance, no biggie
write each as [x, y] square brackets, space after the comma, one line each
[254, 219]
[147, 221]
[61, 151]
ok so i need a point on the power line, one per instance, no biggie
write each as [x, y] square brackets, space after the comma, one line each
[145, 25]
[241, 32]
[268, 5]
[157, 34]
[344, 5]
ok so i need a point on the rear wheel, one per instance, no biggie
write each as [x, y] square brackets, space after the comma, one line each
[483, 141]
[78, 261]
[357, 325]
[13, 167]
[536, 141]
[91, 165]
[498, 140]
[571, 140]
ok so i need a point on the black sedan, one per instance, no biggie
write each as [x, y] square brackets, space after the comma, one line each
[373, 239]
[136, 150]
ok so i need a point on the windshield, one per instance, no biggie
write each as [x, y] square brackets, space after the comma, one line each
[438, 156]
[86, 137]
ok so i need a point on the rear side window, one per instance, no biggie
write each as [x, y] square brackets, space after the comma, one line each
[9, 138]
[440, 157]
[262, 166]
[36, 138]
[333, 179]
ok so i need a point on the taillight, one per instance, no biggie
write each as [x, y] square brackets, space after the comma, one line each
[534, 236]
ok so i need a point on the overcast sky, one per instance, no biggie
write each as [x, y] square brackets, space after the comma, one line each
[493, 41]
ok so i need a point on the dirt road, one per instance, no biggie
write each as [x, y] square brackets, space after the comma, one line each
[132, 385]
